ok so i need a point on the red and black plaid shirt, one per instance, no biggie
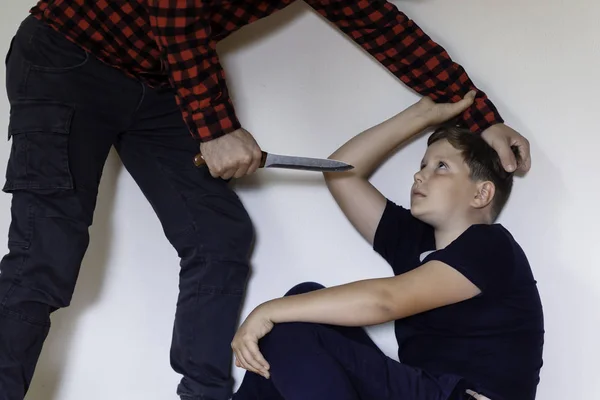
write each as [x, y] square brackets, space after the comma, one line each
[173, 42]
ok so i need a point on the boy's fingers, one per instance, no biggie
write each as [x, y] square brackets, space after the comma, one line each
[252, 362]
[242, 361]
[467, 100]
[253, 348]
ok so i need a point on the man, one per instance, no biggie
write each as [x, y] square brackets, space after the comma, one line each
[145, 77]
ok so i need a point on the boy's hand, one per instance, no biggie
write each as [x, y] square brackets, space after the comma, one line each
[245, 343]
[437, 113]
[501, 138]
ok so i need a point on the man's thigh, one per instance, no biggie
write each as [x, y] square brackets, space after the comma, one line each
[66, 109]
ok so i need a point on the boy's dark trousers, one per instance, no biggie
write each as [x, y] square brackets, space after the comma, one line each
[66, 111]
[325, 362]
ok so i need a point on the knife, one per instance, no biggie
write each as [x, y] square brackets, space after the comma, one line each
[270, 160]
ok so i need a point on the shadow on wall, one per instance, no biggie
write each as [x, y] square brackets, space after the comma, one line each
[55, 354]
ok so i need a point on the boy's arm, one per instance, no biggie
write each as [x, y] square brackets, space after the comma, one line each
[360, 201]
[369, 302]
[375, 301]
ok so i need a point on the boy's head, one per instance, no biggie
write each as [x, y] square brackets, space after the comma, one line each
[461, 180]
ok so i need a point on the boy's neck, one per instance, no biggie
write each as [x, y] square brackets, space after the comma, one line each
[447, 234]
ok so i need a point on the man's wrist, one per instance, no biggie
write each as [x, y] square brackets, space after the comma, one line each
[212, 122]
[481, 115]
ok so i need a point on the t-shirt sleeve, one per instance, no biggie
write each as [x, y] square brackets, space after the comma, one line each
[400, 238]
[484, 255]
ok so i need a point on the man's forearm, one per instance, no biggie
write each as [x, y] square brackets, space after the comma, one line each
[183, 34]
[359, 303]
[400, 45]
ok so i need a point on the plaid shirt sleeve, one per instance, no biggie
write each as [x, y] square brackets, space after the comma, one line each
[183, 34]
[406, 51]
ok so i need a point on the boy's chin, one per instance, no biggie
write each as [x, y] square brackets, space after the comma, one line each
[420, 214]
[432, 219]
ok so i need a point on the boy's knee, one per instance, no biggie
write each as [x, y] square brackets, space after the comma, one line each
[304, 287]
[285, 336]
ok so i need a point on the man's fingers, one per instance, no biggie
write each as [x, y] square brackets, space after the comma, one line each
[250, 164]
[228, 174]
[234, 168]
[242, 168]
[215, 171]
[507, 158]
[525, 154]
[255, 164]
[232, 155]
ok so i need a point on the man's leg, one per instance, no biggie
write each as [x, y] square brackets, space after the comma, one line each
[208, 226]
[66, 111]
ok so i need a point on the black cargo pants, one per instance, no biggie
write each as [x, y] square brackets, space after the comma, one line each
[66, 111]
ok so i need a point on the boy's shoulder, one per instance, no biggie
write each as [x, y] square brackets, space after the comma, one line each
[487, 254]
[490, 242]
[488, 235]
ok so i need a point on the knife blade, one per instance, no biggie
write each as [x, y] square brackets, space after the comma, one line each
[270, 160]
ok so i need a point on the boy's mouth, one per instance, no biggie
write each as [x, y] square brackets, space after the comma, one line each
[418, 193]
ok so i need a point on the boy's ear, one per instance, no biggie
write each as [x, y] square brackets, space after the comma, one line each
[484, 194]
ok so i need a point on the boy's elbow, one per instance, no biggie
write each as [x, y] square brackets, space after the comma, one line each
[386, 305]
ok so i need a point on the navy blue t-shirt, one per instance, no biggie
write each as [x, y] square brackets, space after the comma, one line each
[493, 340]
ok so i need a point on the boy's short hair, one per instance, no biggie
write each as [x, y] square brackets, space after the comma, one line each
[483, 161]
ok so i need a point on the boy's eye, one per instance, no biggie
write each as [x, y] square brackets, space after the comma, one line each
[442, 165]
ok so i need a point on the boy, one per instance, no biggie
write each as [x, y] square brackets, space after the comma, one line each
[468, 317]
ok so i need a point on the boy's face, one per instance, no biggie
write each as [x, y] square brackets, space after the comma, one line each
[442, 192]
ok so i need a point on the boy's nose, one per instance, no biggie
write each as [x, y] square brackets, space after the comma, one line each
[418, 177]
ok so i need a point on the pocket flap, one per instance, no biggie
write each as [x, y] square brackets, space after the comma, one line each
[39, 116]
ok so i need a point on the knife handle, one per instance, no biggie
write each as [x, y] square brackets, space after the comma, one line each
[199, 160]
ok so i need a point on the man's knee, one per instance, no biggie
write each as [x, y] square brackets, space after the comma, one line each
[25, 304]
[304, 287]
[224, 232]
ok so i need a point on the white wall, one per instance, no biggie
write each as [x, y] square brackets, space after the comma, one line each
[302, 88]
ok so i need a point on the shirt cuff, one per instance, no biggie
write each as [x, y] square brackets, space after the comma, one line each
[481, 115]
[210, 123]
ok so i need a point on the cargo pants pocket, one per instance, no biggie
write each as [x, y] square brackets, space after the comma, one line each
[39, 156]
